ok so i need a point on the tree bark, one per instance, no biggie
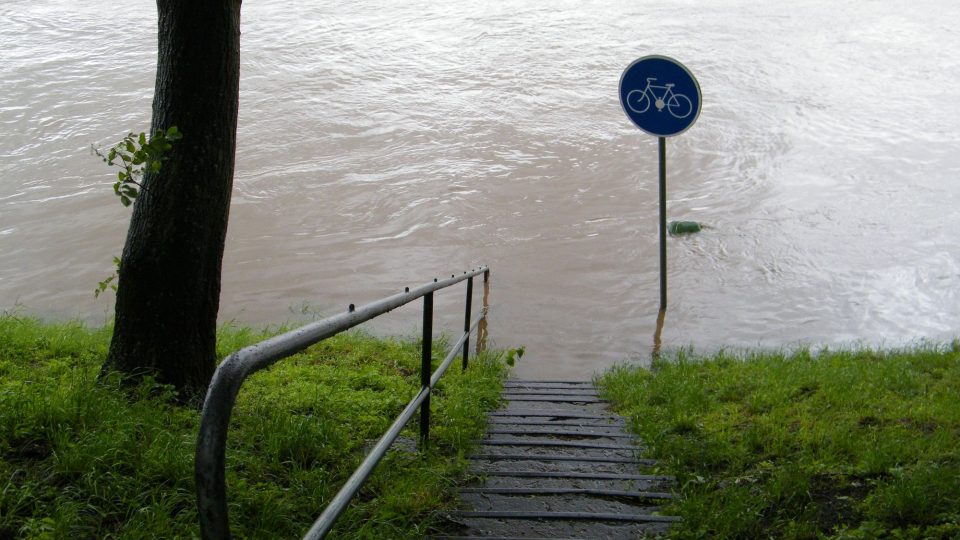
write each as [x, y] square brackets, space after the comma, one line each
[169, 287]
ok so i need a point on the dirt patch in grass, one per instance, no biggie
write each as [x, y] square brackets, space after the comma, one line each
[837, 500]
[28, 451]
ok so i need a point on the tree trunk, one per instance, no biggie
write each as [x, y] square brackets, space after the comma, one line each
[169, 286]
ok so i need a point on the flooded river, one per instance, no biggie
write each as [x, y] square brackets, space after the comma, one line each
[382, 144]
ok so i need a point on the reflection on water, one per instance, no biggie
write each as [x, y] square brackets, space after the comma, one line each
[657, 334]
[380, 146]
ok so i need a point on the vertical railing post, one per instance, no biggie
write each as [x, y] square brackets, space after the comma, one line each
[466, 323]
[482, 328]
[426, 366]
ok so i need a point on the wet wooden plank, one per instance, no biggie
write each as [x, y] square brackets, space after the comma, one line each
[557, 463]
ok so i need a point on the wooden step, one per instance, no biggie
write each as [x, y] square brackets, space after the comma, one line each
[557, 463]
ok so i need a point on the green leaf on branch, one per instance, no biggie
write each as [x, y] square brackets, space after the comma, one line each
[138, 156]
[110, 281]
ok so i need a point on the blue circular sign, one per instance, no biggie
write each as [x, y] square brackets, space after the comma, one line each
[660, 95]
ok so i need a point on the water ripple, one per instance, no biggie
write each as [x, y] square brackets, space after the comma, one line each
[378, 145]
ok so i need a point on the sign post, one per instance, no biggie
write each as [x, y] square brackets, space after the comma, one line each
[661, 97]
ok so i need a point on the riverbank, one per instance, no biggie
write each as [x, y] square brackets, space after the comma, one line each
[87, 459]
[845, 444]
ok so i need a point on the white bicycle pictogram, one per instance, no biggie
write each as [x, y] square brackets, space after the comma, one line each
[678, 105]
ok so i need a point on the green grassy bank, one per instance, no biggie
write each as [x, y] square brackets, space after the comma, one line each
[862, 444]
[82, 458]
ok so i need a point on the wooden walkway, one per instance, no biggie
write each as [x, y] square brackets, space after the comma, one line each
[557, 463]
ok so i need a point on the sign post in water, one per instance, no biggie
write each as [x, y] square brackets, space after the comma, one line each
[661, 97]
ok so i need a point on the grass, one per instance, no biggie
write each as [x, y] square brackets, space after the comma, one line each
[839, 444]
[82, 458]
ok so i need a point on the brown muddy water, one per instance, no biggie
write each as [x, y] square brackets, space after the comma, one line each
[382, 144]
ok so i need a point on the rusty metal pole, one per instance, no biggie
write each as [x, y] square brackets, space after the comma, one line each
[482, 329]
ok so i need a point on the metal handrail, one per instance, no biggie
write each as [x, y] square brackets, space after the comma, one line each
[209, 467]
